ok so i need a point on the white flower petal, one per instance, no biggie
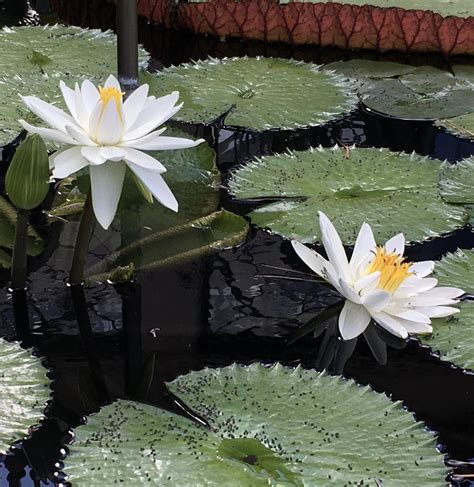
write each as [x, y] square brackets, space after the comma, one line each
[134, 104]
[90, 96]
[333, 246]
[113, 153]
[110, 126]
[67, 162]
[316, 262]
[143, 160]
[367, 283]
[396, 245]
[436, 296]
[112, 82]
[376, 300]
[52, 115]
[411, 315]
[142, 140]
[422, 269]
[365, 244]
[69, 98]
[168, 143]
[391, 324]
[418, 285]
[348, 292]
[82, 114]
[48, 134]
[417, 328]
[156, 185]
[353, 320]
[438, 311]
[79, 136]
[106, 186]
[93, 155]
[154, 114]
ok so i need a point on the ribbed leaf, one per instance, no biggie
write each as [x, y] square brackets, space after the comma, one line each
[271, 426]
[457, 182]
[457, 269]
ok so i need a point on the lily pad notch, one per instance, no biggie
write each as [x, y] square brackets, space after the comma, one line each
[270, 426]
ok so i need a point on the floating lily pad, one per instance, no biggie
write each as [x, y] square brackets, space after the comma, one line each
[457, 182]
[261, 93]
[408, 92]
[24, 391]
[34, 59]
[270, 426]
[452, 337]
[8, 217]
[393, 192]
[462, 126]
[457, 269]
[153, 236]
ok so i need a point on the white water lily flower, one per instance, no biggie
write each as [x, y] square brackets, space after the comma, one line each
[379, 284]
[108, 134]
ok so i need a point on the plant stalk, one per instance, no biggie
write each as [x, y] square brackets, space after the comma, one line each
[127, 44]
[82, 242]
[18, 275]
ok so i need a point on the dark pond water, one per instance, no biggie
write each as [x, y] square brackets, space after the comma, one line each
[225, 308]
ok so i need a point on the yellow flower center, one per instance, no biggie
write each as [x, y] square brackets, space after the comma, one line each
[392, 267]
[108, 94]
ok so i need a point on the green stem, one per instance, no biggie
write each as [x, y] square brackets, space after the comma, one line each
[82, 242]
[18, 275]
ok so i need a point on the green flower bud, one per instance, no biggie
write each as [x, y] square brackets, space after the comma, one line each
[27, 180]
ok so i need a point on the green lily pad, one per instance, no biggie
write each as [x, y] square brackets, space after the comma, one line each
[457, 182]
[24, 391]
[393, 192]
[7, 234]
[462, 126]
[452, 337]
[34, 59]
[456, 269]
[153, 236]
[270, 426]
[408, 92]
[261, 93]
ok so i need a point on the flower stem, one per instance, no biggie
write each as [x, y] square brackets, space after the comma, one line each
[127, 44]
[82, 242]
[18, 275]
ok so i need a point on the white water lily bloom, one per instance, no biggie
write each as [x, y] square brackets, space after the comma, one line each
[108, 134]
[379, 284]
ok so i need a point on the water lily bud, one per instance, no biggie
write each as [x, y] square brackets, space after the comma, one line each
[27, 179]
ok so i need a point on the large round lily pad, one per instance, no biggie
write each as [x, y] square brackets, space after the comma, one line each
[457, 182]
[270, 426]
[261, 93]
[34, 59]
[24, 391]
[462, 126]
[393, 192]
[408, 92]
[452, 337]
[457, 270]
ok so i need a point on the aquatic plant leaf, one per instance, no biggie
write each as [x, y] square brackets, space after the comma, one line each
[259, 93]
[457, 182]
[452, 336]
[393, 192]
[5, 260]
[34, 59]
[457, 269]
[462, 126]
[24, 391]
[154, 237]
[217, 231]
[406, 92]
[270, 426]
[8, 217]
[380, 25]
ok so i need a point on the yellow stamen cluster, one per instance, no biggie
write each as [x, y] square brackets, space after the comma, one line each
[392, 267]
[108, 94]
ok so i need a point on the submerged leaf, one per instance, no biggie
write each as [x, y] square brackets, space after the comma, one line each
[393, 192]
[261, 93]
[24, 391]
[270, 426]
